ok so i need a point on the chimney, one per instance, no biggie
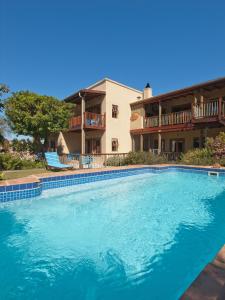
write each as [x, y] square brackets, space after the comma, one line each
[147, 91]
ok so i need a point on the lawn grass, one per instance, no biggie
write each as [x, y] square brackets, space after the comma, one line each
[22, 173]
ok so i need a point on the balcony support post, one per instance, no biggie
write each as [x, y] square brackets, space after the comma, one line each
[220, 108]
[194, 106]
[201, 105]
[141, 142]
[132, 143]
[160, 114]
[159, 143]
[82, 125]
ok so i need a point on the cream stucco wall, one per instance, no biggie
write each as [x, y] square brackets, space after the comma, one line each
[69, 142]
[118, 127]
[139, 112]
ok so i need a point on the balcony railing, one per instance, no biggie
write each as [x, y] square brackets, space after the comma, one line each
[91, 120]
[151, 122]
[211, 109]
[181, 117]
[75, 122]
[206, 109]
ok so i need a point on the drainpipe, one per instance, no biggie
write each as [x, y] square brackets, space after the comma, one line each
[82, 124]
[82, 128]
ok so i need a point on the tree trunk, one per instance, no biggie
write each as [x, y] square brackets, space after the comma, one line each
[38, 145]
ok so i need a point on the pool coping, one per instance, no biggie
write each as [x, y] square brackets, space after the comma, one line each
[33, 185]
[37, 177]
[210, 283]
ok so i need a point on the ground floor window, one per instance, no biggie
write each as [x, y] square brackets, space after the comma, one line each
[177, 145]
[196, 142]
[115, 144]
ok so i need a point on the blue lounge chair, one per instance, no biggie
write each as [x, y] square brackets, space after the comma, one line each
[86, 160]
[53, 161]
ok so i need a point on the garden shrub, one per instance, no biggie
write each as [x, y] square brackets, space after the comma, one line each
[145, 158]
[197, 157]
[213, 153]
[115, 161]
[9, 161]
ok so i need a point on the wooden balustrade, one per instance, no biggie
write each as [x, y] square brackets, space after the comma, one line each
[210, 109]
[151, 122]
[206, 109]
[75, 122]
[91, 120]
[181, 117]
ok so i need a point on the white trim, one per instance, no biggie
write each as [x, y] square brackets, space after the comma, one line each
[115, 82]
[212, 173]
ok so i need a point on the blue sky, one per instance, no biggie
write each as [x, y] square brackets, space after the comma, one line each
[56, 47]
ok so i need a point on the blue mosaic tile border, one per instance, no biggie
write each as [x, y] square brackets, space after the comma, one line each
[20, 191]
[63, 181]
[30, 190]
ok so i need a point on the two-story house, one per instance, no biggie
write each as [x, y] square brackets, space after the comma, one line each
[101, 121]
[110, 117]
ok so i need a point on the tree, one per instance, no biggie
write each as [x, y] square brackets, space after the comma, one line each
[3, 90]
[36, 115]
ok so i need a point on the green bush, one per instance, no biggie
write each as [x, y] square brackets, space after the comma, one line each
[213, 153]
[197, 157]
[145, 158]
[10, 161]
[115, 161]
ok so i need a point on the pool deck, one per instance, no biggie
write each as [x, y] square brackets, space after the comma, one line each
[209, 285]
[35, 178]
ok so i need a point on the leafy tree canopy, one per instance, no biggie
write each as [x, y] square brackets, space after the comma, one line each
[36, 115]
[3, 90]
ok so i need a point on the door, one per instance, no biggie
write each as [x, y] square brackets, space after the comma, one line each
[177, 145]
[93, 146]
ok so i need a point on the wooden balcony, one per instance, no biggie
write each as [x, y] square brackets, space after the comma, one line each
[210, 111]
[91, 121]
[94, 121]
[182, 117]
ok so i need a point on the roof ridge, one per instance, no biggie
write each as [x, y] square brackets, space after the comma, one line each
[113, 81]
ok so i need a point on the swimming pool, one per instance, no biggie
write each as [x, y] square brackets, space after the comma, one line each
[145, 236]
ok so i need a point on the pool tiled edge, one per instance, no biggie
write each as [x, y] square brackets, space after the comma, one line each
[20, 191]
[32, 186]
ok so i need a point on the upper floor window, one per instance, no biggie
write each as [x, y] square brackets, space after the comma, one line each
[115, 111]
[115, 145]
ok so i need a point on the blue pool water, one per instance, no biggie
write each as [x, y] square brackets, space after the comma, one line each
[140, 237]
